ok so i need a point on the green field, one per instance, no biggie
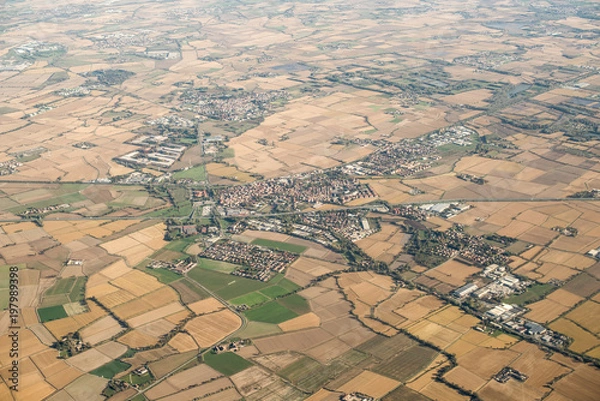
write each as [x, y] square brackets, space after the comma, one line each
[67, 198]
[216, 265]
[258, 329]
[309, 375]
[51, 313]
[109, 370]
[180, 245]
[533, 294]
[197, 173]
[52, 300]
[275, 291]
[282, 246]
[295, 303]
[230, 287]
[77, 293]
[62, 286]
[163, 275]
[271, 312]
[254, 298]
[72, 287]
[182, 206]
[227, 363]
[406, 364]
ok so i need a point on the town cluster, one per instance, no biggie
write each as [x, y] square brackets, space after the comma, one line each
[487, 60]
[258, 263]
[403, 158]
[285, 193]
[408, 156]
[231, 106]
[119, 40]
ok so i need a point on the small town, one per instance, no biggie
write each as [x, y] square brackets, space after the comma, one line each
[287, 193]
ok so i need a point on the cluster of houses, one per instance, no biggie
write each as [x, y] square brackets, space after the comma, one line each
[231, 106]
[403, 158]
[258, 263]
[470, 248]
[232, 346]
[408, 156]
[36, 211]
[350, 224]
[312, 188]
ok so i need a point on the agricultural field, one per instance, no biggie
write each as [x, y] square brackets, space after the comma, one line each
[197, 173]
[233, 287]
[211, 328]
[110, 369]
[386, 244]
[196, 375]
[406, 364]
[82, 200]
[125, 124]
[226, 363]
[282, 246]
[272, 312]
[136, 246]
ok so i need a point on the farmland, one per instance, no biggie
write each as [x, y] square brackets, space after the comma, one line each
[282, 246]
[366, 159]
[232, 287]
[271, 312]
[227, 363]
[404, 365]
[110, 369]
[52, 313]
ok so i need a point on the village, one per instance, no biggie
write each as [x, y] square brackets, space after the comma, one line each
[230, 106]
[408, 156]
[258, 263]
